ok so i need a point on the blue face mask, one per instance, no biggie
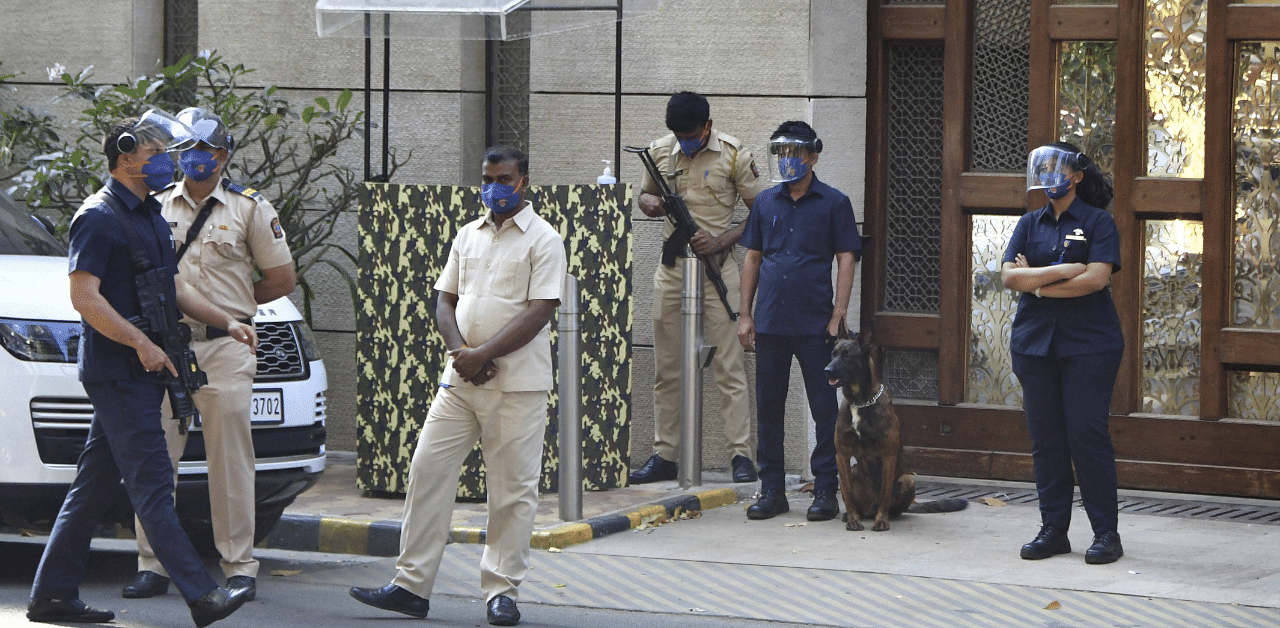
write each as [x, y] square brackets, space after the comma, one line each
[1059, 184]
[691, 146]
[157, 173]
[197, 164]
[500, 198]
[792, 168]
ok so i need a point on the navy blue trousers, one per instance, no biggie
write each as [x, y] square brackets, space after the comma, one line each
[1067, 402]
[126, 442]
[773, 374]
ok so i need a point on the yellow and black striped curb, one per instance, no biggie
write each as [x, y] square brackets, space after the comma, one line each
[312, 533]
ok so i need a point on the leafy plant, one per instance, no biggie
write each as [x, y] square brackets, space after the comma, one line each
[287, 153]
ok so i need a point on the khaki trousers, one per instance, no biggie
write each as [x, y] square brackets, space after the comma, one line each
[511, 427]
[728, 367]
[228, 440]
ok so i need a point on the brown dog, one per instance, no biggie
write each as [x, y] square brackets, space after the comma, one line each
[869, 441]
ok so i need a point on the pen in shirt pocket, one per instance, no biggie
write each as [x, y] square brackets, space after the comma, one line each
[775, 221]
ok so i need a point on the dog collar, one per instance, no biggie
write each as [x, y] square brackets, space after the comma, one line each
[873, 399]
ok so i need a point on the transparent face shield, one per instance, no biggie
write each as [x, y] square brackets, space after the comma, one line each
[208, 128]
[161, 126]
[789, 158]
[1049, 167]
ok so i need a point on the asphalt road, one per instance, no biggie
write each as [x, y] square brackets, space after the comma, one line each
[308, 590]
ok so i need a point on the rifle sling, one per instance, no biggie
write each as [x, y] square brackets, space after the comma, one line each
[194, 231]
[137, 253]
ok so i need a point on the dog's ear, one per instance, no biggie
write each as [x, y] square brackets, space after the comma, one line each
[842, 332]
[864, 339]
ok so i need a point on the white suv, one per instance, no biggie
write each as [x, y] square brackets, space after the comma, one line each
[44, 413]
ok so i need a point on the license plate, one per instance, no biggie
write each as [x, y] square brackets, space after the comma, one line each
[266, 407]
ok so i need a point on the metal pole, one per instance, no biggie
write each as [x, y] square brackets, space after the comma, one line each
[691, 360]
[386, 95]
[570, 363]
[368, 87]
[617, 96]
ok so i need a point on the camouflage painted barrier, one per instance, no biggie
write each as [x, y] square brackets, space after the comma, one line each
[405, 233]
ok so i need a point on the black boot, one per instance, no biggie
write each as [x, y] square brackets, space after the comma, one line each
[1050, 542]
[1105, 549]
[655, 470]
[743, 469]
[824, 508]
[771, 504]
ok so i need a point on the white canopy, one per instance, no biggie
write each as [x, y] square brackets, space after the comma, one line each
[470, 19]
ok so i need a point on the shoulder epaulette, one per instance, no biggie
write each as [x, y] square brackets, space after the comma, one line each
[243, 191]
[731, 140]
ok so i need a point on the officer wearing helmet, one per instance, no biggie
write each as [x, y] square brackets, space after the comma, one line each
[222, 231]
[117, 237]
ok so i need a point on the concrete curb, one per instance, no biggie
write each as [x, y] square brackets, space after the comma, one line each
[313, 533]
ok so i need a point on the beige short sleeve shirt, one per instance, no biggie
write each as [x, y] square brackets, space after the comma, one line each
[496, 272]
[242, 231]
[711, 182]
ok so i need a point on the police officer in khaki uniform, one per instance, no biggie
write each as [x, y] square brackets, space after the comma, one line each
[710, 171]
[222, 231]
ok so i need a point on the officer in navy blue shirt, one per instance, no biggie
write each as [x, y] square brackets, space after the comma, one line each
[793, 233]
[1066, 344]
[126, 440]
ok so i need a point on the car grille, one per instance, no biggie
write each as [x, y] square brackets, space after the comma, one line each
[279, 356]
[62, 425]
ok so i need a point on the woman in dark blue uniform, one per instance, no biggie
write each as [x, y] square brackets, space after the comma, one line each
[1066, 344]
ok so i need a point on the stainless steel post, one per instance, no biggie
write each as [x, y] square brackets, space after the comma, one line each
[570, 389]
[691, 361]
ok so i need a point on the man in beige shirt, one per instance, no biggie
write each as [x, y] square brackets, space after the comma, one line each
[221, 231]
[710, 171]
[497, 293]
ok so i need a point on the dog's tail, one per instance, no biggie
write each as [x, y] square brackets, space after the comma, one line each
[953, 504]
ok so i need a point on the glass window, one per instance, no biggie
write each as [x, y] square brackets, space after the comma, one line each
[991, 379]
[1171, 317]
[1087, 99]
[1175, 76]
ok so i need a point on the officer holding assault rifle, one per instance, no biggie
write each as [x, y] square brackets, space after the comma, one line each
[123, 276]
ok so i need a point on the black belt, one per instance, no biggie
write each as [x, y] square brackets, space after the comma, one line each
[213, 333]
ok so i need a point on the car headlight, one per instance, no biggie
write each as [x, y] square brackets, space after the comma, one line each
[40, 341]
[306, 341]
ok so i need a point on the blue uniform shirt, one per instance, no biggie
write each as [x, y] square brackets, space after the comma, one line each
[100, 247]
[798, 240]
[1066, 327]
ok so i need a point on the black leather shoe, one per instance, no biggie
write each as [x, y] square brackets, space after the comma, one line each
[654, 470]
[743, 469]
[218, 604]
[66, 612]
[771, 504]
[244, 582]
[824, 508]
[1105, 549]
[393, 598]
[503, 611]
[146, 584]
[1050, 542]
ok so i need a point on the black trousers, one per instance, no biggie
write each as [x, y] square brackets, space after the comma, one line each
[773, 374]
[1067, 402]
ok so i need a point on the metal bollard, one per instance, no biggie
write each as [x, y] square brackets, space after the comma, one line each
[694, 356]
[570, 389]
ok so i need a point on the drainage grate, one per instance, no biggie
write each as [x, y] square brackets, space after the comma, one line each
[1016, 496]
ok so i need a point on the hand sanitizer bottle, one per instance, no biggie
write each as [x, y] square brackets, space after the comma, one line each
[607, 178]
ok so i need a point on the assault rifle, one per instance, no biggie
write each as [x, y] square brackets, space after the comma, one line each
[685, 228]
[159, 320]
